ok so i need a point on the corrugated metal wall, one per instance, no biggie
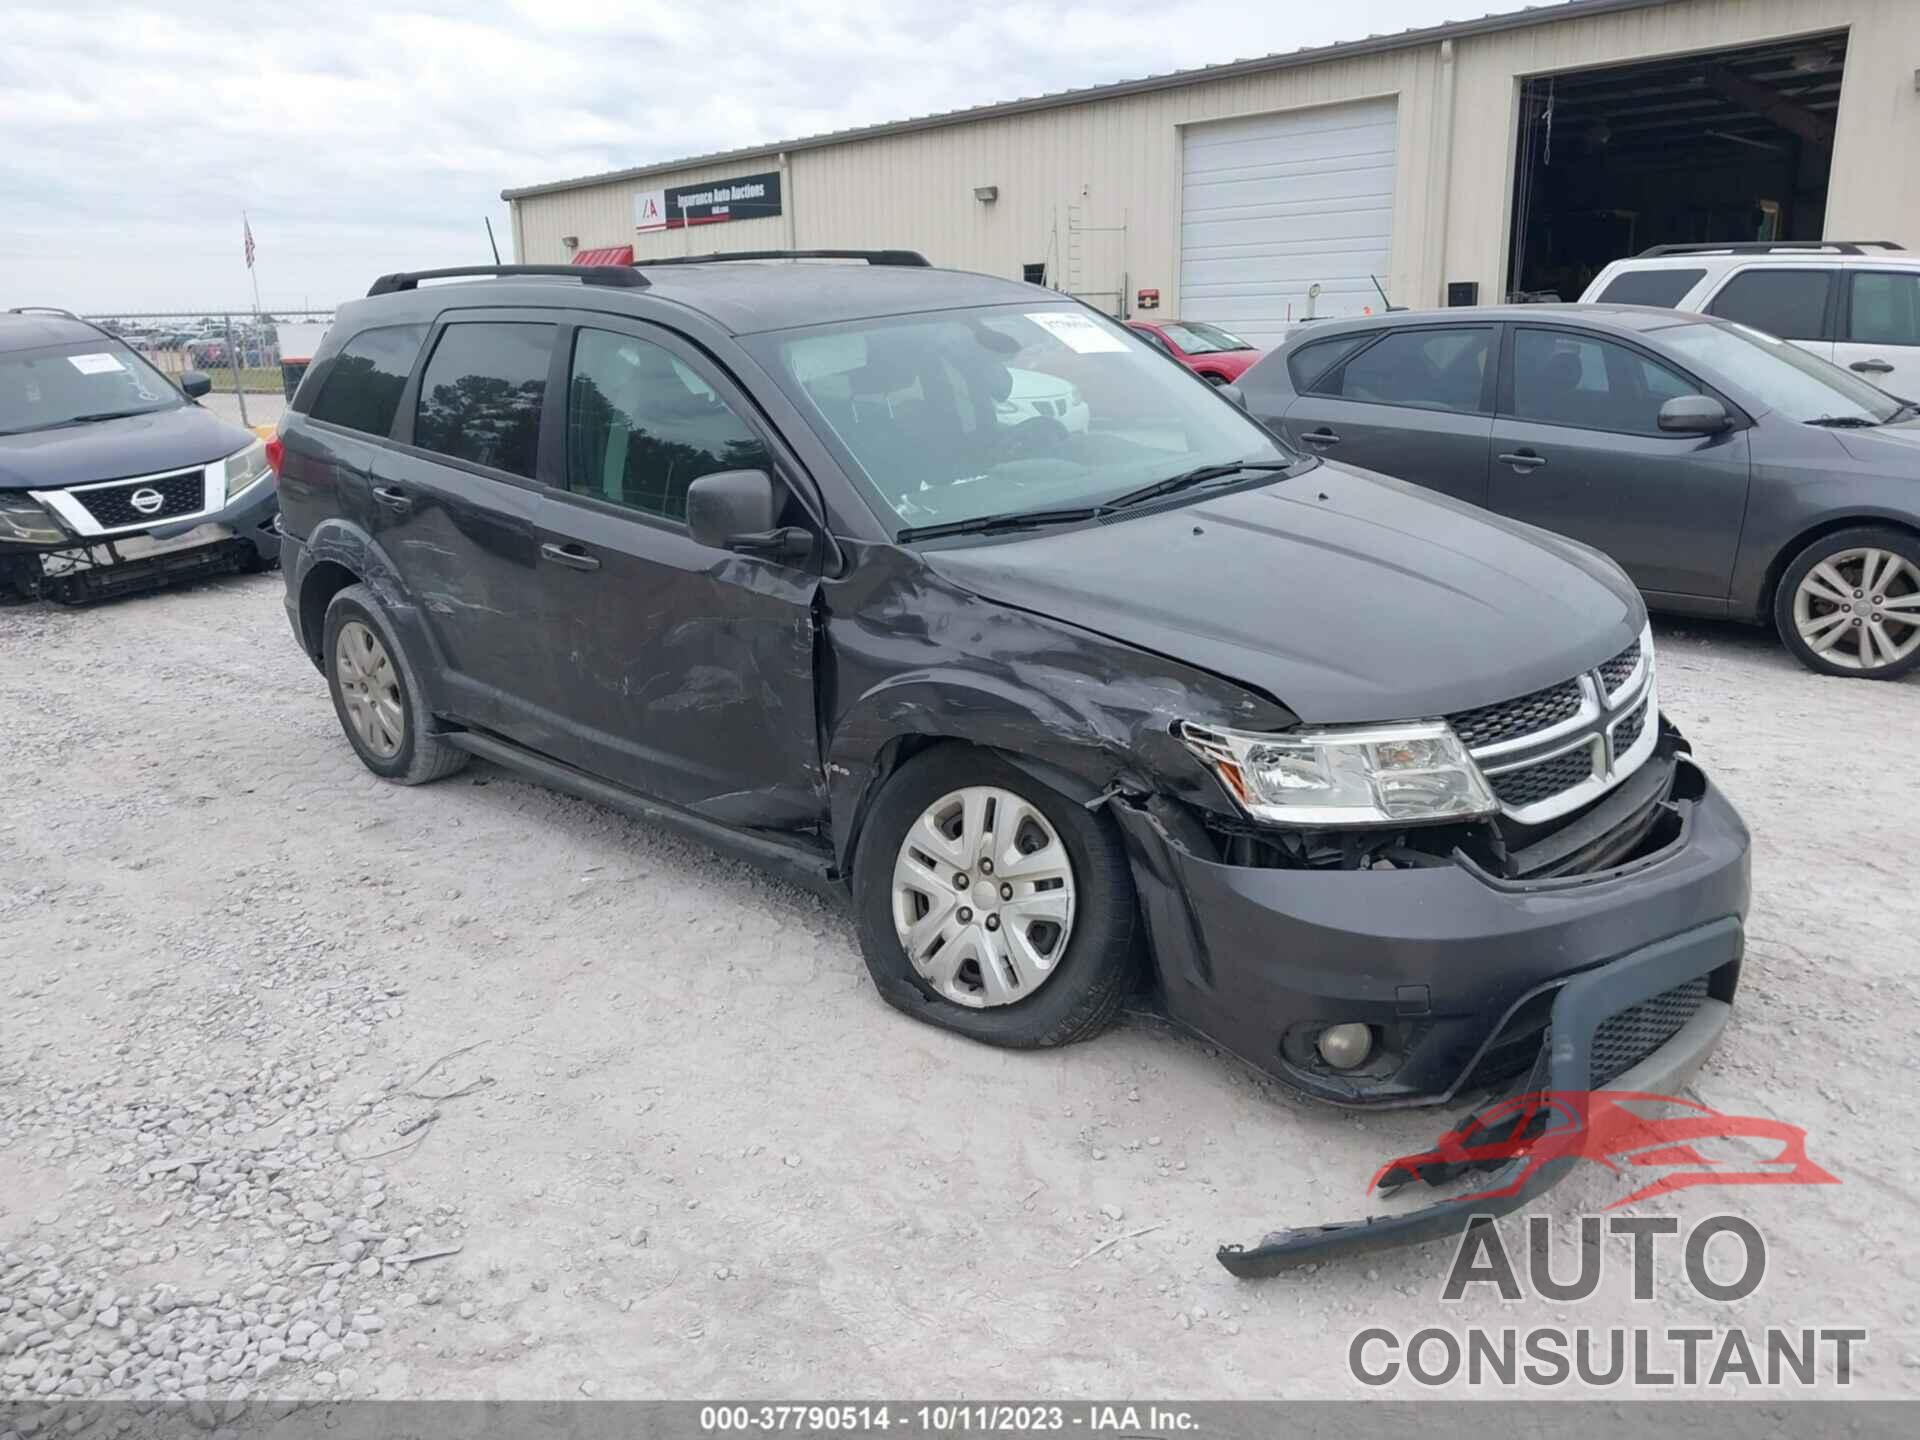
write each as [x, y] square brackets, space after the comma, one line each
[1069, 178]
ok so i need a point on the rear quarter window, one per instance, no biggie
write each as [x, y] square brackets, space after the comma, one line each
[361, 388]
[1789, 303]
[1662, 288]
[1307, 364]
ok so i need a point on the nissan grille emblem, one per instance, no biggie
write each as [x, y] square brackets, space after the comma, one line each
[147, 501]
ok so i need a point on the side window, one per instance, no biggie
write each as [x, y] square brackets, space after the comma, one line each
[363, 385]
[480, 397]
[1431, 368]
[1307, 364]
[641, 426]
[1662, 288]
[1789, 303]
[1564, 379]
[1885, 308]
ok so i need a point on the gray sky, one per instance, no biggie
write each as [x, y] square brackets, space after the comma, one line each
[370, 137]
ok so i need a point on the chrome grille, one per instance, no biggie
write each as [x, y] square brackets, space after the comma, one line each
[1617, 671]
[112, 506]
[1553, 750]
[1531, 784]
[1511, 719]
[1628, 730]
[1624, 1040]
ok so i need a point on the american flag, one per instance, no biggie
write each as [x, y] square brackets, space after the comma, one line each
[248, 228]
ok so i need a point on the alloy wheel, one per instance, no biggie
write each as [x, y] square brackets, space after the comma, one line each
[1859, 609]
[983, 896]
[369, 689]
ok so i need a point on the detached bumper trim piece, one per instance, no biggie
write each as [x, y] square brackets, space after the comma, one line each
[1583, 1003]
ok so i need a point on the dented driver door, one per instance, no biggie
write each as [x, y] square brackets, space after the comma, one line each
[687, 672]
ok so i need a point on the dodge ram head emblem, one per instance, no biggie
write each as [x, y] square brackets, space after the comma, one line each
[147, 501]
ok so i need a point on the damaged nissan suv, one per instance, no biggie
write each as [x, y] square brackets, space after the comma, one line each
[1367, 785]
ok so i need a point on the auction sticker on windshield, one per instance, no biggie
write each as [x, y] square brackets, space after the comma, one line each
[1076, 332]
[96, 364]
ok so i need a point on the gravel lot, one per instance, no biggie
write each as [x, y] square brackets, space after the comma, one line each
[683, 1148]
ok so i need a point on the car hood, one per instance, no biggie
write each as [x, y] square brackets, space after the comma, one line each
[109, 449]
[1884, 444]
[1344, 595]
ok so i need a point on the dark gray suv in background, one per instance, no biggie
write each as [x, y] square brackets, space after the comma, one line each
[1368, 785]
[1729, 473]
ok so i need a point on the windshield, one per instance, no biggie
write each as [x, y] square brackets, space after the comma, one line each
[1198, 339]
[964, 414]
[61, 384]
[1779, 374]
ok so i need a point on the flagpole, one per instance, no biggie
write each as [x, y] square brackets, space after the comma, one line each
[247, 224]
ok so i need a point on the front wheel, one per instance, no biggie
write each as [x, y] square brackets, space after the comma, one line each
[992, 905]
[1849, 604]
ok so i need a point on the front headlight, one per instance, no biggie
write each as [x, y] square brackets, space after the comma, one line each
[246, 469]
[27, 521]
[1370, 775]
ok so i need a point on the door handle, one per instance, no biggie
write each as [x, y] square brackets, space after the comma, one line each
[1322, 436]
[394, 499]
[1871, 367]
[571, 556]
[1523, 460]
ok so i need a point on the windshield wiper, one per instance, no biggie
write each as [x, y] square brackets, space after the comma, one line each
[992, 524]
[1843, 422]
[78, 420]
[1186, 479]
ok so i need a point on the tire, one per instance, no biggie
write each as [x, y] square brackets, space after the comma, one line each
[419, 755]
[1812, 605]
[1213, 379]
[1091, 970]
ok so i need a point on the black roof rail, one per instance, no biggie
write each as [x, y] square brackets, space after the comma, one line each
[872, 257]
[623, 276]
[44, 310]
[1771, 247]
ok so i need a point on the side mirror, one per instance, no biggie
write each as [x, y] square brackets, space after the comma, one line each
[195, 383]
[736, 510]
[1233, 393]
[1694, 415]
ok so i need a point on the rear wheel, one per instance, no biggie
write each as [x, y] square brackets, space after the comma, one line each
[991, 905]
[378, 696]
[1849, 604]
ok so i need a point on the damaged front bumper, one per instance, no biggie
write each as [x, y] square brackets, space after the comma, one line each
[1567, 1064]
[1468, 981]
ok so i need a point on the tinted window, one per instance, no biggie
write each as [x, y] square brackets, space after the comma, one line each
[363, 385]
[641, 426]
[1562, 379]
[1435, 369]
[1885, 309]
[1789, 303]
[480, 398]
[1650, 287]
[1310, 362]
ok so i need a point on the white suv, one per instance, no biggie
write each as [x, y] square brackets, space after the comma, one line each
[1854, 302]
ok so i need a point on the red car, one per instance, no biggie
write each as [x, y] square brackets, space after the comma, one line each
[1217, 356]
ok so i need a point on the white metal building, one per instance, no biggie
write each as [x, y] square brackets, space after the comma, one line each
[1455, 164]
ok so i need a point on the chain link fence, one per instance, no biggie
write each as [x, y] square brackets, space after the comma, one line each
[242, 353]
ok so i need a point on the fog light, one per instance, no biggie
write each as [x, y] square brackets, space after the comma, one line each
[1345, 1046]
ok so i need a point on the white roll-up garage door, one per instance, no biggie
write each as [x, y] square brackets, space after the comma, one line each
[1275, 204]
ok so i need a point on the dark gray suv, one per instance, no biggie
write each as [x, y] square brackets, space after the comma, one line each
[1729, 473]
[950, 595]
